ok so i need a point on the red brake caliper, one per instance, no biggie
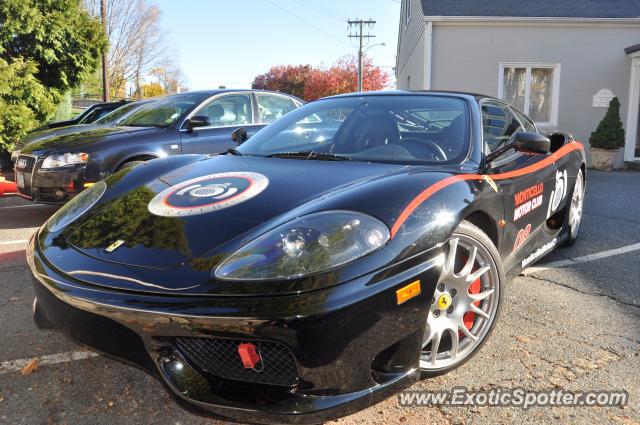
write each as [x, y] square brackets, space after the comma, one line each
[469, 316]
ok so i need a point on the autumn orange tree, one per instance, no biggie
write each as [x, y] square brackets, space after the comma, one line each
[284, 78]
[312, 83]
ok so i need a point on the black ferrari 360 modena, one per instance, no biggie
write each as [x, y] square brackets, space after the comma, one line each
[349, 248]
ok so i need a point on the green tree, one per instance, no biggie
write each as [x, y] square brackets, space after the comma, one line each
[610, 133]
[24, 101]
[46, 48]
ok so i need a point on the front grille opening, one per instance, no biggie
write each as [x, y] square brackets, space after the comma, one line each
[30, 163]
[219, 358]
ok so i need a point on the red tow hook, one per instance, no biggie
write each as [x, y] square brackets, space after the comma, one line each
[249, 355]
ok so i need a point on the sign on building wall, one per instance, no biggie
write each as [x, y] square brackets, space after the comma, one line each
[602, 98]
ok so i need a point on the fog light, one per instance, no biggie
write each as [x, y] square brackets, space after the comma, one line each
[59, 194]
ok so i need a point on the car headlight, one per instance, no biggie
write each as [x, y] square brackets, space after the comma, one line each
[79, 205]
[61, 160]
[310, 244]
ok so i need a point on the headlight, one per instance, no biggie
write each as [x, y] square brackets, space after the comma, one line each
[310, 244]
[76, 207]
[60, 160]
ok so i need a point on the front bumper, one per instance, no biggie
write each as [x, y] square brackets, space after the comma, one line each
[352, 344]
[55, 186]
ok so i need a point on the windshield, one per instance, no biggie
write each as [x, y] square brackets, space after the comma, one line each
[163, 112]
[117, 114]
[94, 115]
[397, 129]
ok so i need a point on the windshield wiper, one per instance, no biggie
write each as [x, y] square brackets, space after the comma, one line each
[310, 155]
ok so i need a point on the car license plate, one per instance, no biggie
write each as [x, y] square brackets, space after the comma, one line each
[20, 180]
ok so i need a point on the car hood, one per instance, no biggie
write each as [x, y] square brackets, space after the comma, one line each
[80, 140]
[162, 223]
[38, 136]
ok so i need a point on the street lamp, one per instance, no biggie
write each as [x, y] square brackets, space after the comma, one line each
[360, 59]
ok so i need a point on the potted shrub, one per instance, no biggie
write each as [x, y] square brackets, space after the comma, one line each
[608, 138]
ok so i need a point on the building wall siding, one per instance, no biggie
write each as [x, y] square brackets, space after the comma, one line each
[409, 39]
[467, 58]
[413, 73]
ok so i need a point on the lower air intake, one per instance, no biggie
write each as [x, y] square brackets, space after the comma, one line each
[219, 358]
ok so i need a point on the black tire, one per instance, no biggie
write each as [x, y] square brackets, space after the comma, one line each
[571, 232]
[470, 232]
[129, 164]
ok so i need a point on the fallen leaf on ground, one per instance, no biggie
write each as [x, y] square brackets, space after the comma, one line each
[522, 338]
[31, 367]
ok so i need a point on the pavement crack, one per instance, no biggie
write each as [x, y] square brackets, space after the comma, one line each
[595, 294]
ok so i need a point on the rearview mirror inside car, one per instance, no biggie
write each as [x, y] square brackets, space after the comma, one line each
[533, 143]
[239, 136]
[198, 121]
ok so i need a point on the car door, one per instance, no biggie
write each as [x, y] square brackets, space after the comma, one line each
[526, 182]
[226, 113]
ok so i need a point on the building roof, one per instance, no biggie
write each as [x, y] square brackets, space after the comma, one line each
[534, 9]
[632, 49]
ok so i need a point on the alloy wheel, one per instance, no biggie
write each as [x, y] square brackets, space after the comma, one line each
[577, 202]
[464, 305]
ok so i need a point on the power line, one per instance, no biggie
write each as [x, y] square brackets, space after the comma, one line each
[302, 20]
[323, 10]
[360, 25]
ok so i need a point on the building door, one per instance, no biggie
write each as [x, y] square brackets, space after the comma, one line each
[632, 142]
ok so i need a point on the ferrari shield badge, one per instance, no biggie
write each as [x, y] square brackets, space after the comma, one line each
[209, 193]
[114, 246]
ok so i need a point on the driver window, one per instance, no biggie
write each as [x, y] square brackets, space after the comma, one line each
[498, 125]
[228, 110]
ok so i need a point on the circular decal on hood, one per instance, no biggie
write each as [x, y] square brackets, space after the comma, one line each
[208, 193]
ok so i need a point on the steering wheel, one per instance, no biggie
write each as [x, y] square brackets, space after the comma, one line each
[417, 148]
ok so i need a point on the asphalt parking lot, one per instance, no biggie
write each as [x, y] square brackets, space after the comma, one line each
[572, 322]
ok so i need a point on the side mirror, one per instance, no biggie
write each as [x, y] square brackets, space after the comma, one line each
[239, 135]
[198, 121]
[532, 143]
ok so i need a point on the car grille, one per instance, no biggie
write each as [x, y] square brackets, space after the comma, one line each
[220, 358]
[29, 161]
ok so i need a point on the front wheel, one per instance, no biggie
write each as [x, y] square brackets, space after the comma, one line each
[466, 301]
[129, 164]
[575, 209]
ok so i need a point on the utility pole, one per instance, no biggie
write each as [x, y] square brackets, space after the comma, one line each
[105, 71]
[358, 25]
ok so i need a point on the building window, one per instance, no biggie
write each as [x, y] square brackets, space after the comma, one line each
[533, 88]
[407, 12]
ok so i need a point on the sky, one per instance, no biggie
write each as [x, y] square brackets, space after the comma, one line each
[229, 42]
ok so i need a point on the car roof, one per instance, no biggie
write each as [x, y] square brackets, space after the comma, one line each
[213, 92]
[476, 96]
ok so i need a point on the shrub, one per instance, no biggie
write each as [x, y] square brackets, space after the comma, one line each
[610, 133]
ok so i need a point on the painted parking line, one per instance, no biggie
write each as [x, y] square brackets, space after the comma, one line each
[23, 206]
[16, 365]
[583, 259]
[15, 242]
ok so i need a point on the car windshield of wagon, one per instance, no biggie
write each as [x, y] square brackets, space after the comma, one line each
[392, 129]
[163, 112]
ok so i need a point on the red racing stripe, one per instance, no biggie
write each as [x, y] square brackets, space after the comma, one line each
[425, 194]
